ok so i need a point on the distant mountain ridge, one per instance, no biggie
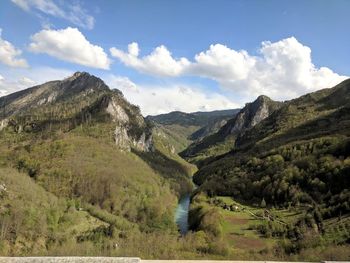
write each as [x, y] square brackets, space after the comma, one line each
[186, 128]
[199, 118]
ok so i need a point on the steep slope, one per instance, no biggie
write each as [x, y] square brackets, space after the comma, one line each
[32, 219]
[223, 140]
[299, 154]
[289, 174]
[184, 128]
[83, 143]
[306, 117]
[81, 98]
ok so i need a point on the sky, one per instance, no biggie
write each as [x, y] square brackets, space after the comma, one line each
[182, 55]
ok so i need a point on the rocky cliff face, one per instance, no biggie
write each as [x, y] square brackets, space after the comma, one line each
[252, 114]
[76, 100]
[223, 140]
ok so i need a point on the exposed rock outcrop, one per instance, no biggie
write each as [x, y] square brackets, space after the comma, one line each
[78, 99]
[252, 114]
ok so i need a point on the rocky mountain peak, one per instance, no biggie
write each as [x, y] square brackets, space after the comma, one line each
[83, 81]
[252, 114]
[263, 98]
[79, 74]
[77, 100]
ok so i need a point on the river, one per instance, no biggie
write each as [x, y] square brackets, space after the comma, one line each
[181, 213]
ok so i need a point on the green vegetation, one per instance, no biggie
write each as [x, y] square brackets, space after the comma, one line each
[175, 137]
[33, 219]
[222, 140]
[298, 159]
[236, 231]
[182, 129]
[118, 189]
[278, 190]
[75, 191]
[208, 149]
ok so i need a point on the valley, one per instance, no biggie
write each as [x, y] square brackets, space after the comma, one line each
[82, 172]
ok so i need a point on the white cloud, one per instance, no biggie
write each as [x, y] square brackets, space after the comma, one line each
[160, 62]
[282, 69]
[221, 62]
[70, 45]
[27, 82]
[157, 99]
[78, 16]
[73, 13]
[9, 55]
[24, 78]
[123, 84]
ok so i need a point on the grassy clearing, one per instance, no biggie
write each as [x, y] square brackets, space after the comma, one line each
[238, 228]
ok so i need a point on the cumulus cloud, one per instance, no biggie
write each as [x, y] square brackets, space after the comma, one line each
[220, 62]
[174, 97]
[123, 84]
[73, 13]
[9, 55]
[70, 45]
[282, 69]
[160, 62]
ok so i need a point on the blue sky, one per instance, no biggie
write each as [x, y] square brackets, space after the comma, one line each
[178, 55]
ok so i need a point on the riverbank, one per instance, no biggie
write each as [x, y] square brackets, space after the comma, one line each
[181, 213]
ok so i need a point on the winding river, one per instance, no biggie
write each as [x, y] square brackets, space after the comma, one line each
[181, 213]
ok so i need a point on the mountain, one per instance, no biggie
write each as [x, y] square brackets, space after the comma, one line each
[312, 115]
[252, 114]
[183, 128]
[98, 167]
[82, 172]
[72, 101]
[286, 180]
[299, 154]
[191, 119]
[223, 139]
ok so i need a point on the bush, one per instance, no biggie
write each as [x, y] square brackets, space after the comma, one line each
[218, 247]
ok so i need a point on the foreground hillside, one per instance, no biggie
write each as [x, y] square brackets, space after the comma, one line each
[81, 170]
[291, 172]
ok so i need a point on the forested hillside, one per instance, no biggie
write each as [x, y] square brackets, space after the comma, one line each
[80, 170]
[185, 128]
[223, 139]
[297, 159]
